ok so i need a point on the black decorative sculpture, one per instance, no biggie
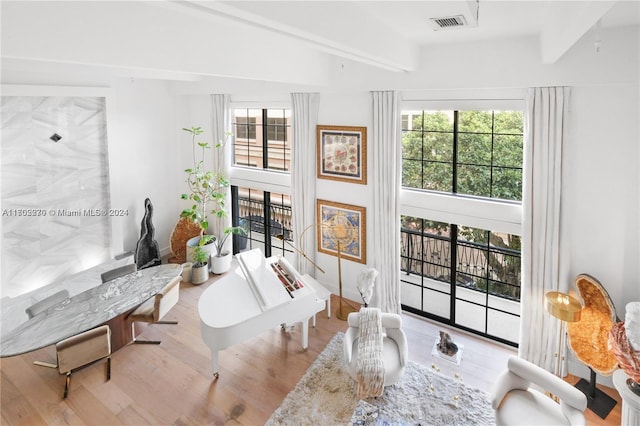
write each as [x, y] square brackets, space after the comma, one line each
[147, 252]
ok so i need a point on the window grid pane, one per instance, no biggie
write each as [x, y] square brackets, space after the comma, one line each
[485, 275]
[484, 156]
[258, 139]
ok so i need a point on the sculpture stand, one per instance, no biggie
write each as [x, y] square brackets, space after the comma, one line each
[343, 309]
[597, 401]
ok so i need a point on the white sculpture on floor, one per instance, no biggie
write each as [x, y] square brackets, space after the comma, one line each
[366, 281]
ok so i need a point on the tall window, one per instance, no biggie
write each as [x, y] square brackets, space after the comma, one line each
[262, 138]
[464, 152]
[265, 217]
[262, 142]
[464, 276]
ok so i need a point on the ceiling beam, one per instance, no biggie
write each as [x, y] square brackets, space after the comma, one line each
[567, 23]
[330, 30]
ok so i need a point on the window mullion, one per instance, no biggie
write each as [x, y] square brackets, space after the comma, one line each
[453, 261]
[454, 183]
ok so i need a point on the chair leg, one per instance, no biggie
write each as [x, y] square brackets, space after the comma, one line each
[45, 364]
[108, 368]
[148, 342]
[67, 385]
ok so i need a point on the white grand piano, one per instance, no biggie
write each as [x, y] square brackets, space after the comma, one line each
[259, 295]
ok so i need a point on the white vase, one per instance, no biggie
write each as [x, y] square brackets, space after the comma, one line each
[199, 274]
[220, 264]
[192, 243]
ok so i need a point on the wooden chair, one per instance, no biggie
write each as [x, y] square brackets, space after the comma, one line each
[155, 308]
[83, 350]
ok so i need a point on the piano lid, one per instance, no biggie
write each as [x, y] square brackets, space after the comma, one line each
[230, 300]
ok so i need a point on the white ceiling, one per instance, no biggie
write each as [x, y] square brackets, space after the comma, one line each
[388, 35]
[360, 29]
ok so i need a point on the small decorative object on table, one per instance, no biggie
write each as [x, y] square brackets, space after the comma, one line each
[445, 348]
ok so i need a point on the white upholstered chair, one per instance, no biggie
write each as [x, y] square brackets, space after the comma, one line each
[155, 308]
[518, 399]
[83, 349]
[394, 346]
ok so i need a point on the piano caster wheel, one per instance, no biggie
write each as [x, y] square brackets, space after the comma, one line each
[216, 375]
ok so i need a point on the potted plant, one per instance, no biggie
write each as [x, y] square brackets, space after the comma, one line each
[221, 261]
[204, 190]
[200, 270]
[208, 190]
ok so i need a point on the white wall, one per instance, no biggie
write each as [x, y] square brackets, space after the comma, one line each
[144, 153]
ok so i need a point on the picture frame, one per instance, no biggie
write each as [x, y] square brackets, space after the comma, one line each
[342, 226]
[342, 153]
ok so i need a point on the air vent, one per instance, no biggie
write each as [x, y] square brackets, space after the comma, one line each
[448, 22]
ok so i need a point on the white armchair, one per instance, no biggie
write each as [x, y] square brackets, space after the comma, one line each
[395, 349]
[516, 402]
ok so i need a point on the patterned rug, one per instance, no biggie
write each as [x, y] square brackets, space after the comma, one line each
[326, 395]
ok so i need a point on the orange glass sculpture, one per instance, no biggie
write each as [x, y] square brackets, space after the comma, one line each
[588, 338]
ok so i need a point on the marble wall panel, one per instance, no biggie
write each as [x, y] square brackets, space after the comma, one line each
[59, 181]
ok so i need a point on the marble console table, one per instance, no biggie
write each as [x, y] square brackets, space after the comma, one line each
[88, 309]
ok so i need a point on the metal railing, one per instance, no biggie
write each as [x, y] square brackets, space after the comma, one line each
[487, 269]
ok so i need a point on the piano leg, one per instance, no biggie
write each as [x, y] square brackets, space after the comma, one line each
[305, 333]
[214, 362]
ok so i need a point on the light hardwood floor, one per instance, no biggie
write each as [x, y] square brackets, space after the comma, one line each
[172, 384]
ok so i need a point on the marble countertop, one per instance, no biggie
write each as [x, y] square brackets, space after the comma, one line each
[87, 309]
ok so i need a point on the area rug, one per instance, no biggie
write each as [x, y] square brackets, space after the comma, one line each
[326, 395]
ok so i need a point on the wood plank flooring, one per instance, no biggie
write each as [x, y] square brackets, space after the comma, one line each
[172, 384]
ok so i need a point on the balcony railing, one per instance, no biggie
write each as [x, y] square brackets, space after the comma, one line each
[477, 267]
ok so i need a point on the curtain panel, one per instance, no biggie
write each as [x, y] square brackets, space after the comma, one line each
[221, 126]
[386, 180]
[545, 130]
[304, 113]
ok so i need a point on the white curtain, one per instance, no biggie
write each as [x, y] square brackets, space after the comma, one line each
[385, 217]
[304, 113]
[221, 125]
[545, 129]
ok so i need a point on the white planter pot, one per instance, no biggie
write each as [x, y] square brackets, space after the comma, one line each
[186, 272]
[220, 264]
[199, 274]
[193, 243]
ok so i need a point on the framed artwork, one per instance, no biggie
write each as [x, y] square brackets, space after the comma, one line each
[342, 153]
[343, 227]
